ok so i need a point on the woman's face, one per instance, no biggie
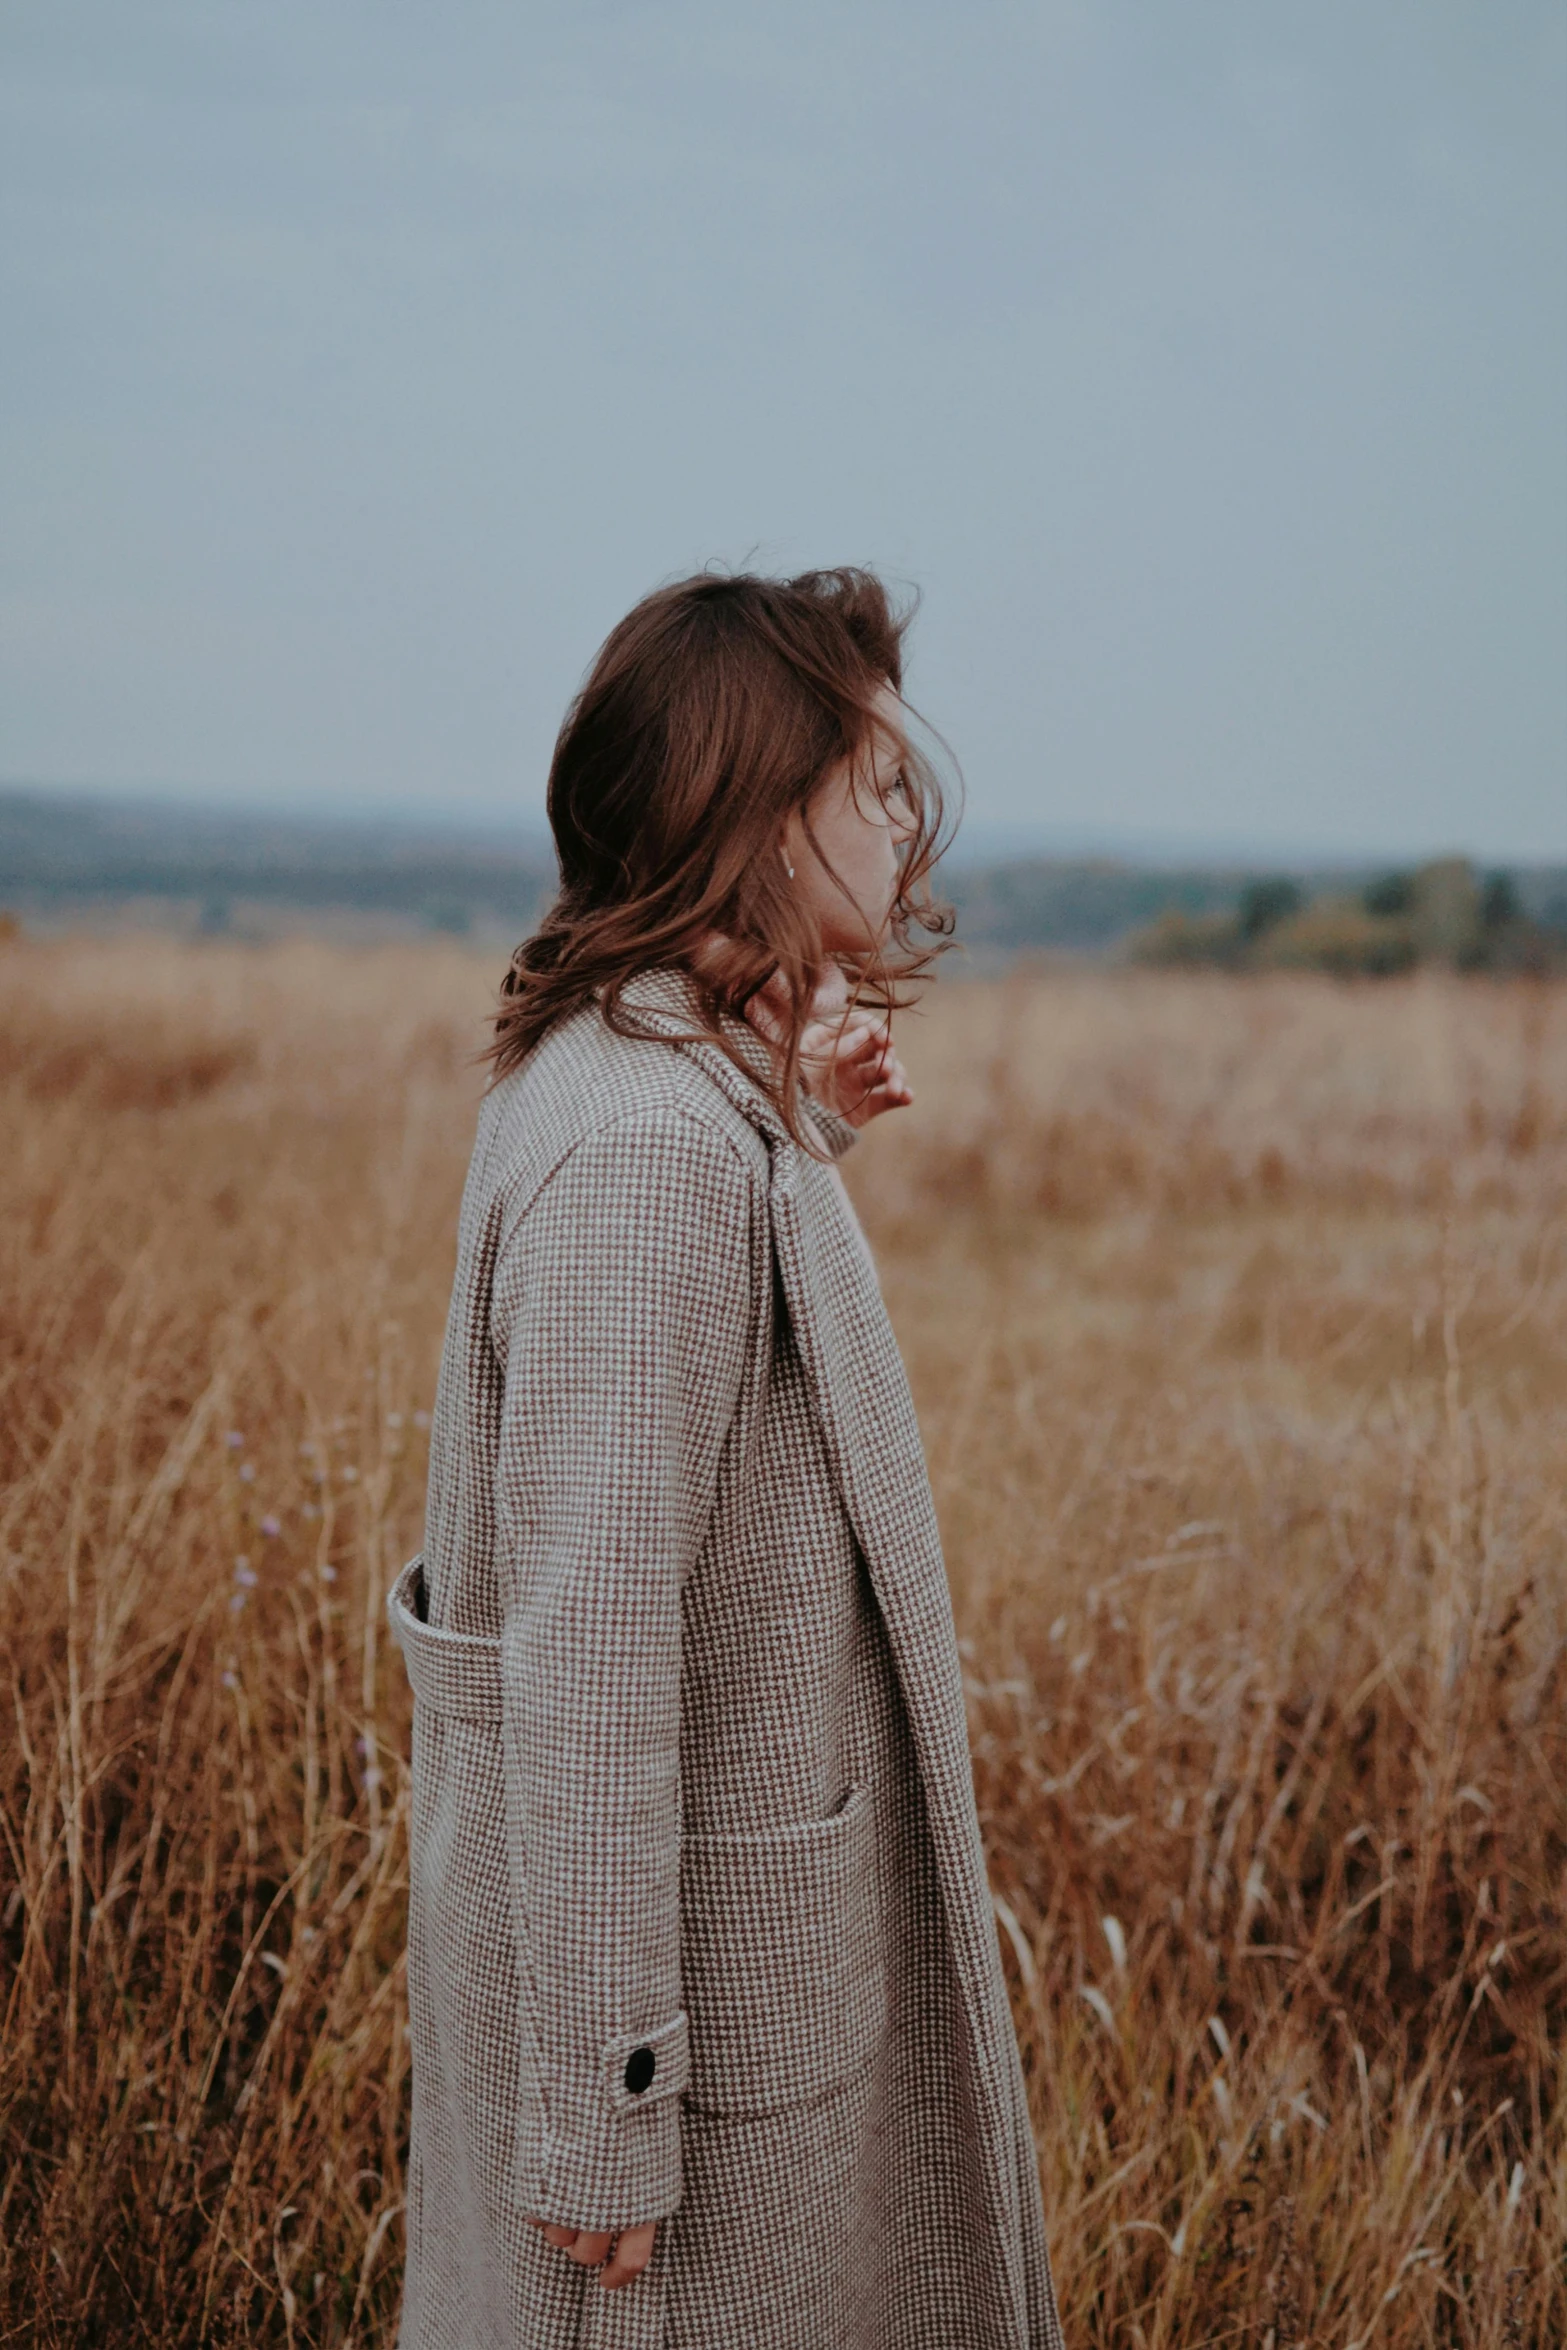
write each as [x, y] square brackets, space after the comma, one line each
[860, 818]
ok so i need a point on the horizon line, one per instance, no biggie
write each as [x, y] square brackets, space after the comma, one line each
[992, 839]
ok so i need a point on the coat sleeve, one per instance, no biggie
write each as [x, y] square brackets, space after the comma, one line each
[622, 1310]
[837, 1135]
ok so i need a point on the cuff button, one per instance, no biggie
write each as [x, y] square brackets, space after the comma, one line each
[641, 2065]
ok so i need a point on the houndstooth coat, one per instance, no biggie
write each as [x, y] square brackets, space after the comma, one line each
[699, 1925]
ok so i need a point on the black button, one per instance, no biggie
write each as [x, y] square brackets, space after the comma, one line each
[641, 2065]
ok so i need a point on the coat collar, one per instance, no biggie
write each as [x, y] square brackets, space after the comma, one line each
[663, 1001]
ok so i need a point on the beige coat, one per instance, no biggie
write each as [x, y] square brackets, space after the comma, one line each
[700, 1928]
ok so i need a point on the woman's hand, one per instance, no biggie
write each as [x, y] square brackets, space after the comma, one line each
[847, 1058]
[633, 2249]
[850, 1065]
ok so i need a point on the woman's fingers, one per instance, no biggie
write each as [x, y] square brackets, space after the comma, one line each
[621, 2257]
[851, 1047]
[853, 1066]
[633, 2251]
[825, 1041]
[632, 2248]
[865, 1030]
[891, 1091]
[552, 2232]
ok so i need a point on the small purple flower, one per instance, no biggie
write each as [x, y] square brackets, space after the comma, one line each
[271, 1527]
[245, 1573]
[247, 1471]
[372, 1778]
[329, 1574]
[234, 1440]
[236, 1604]
[421, 1419]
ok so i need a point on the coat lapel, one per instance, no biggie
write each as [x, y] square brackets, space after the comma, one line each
[873, 1442]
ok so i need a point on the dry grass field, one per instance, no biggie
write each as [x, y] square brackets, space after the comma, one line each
[1237, 1317]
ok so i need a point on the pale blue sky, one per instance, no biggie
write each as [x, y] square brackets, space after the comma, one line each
[1204, 363]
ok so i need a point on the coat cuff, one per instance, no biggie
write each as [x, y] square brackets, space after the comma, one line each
[639, 2069]
[612, 2159]
[836, 1133]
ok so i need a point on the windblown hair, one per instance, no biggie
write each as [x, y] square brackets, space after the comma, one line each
[712, 713]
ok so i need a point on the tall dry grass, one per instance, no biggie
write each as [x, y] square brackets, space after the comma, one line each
[1235, 1315]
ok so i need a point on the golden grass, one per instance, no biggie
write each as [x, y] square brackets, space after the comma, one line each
[1235, 1316]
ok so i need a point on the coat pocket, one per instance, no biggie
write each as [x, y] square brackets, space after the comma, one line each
[784, 1960]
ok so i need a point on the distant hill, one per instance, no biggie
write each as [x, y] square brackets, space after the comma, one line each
[77, 856]
[1076, 906]
[67, 853]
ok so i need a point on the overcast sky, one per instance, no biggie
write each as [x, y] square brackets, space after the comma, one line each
[1204, 364]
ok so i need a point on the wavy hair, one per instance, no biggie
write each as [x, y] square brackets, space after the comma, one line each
[713, 712]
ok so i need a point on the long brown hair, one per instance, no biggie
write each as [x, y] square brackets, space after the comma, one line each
[713, 712]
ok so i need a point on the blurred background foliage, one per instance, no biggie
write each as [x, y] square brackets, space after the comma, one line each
[75, 861]
[1442, 912]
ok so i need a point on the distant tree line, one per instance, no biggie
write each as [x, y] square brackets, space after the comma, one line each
[1442, 912]
[71, 856]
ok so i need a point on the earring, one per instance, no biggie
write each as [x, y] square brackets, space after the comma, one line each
[788, 868]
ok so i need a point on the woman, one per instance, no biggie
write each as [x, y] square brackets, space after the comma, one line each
[711, 2044]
